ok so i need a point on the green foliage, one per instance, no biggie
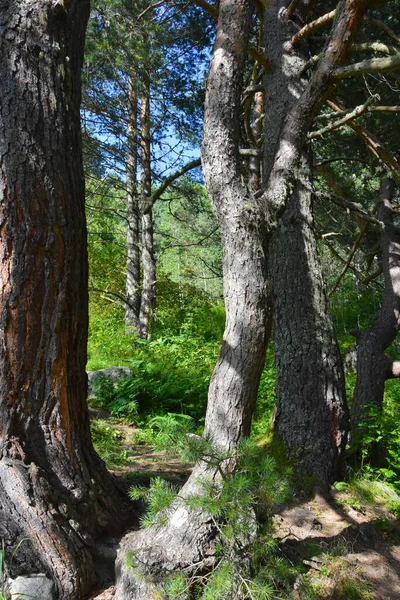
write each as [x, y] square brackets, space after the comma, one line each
[158, 497]
[107, 443]
[239, 500]
[117, 398]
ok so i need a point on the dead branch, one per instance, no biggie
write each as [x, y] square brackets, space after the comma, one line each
[384, 28]
[373, 65]
[356, 112]
[310, 27]
[351, 206]
[350, 257]
[373, 143]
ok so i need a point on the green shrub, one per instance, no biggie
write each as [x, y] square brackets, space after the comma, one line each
[239, 502]
[117, 398]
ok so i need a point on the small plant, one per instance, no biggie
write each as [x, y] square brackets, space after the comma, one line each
[4, 587]
[107, 443]
[117, 398]
[239, 500]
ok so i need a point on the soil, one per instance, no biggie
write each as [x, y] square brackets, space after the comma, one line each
[332, 538]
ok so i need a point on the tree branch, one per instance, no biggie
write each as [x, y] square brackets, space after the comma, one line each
[373, 143]
[168, 180]
[374, 65]
[332, 115]
[291, 8]
[384, 28]
[310, 27]
[124, 302]
[350, 257]
[326, 161]
[352, 206]
[374, 47]
[356, 112]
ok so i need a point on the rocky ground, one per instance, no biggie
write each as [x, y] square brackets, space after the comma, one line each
[335, 539]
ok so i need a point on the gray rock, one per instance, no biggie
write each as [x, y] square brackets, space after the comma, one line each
[32, 587]
[113, 373]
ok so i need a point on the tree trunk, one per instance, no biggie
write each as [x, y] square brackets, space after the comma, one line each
[373, 366]
[54, 490]
[148, 298]
[133, 259]
[310, 414]
[186, 542]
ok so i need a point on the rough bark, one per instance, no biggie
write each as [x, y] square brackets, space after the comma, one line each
[148, 296]
[54, 490]
[373, 366]
[133, 254]
[310, 414]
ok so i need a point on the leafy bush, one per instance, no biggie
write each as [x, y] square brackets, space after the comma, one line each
[118, 398]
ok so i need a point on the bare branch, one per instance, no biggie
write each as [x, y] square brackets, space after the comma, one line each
[372, 276]
[327, 161]
[356, 112]
[351, 206]
[310, 27]
[250, 151]
[168, 180]
[332, 115]
[373, 143]
[350, 257]
[291, 8]
[374, 47]
[374, 65]
[123, 300]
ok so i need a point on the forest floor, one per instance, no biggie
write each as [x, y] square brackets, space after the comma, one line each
[338, 543]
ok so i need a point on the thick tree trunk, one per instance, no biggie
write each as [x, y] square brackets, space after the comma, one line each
[373, 366]
[54, 490]
[133, 254]
[148, 297]
[310, 415]
[311, 411]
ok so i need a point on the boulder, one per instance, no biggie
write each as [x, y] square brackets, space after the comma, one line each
[32, 587]
[113, 373]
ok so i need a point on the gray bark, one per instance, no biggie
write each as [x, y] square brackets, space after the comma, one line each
[54, 490]
[373, 366]
[133, 253]
[310, 415]
[148, 296]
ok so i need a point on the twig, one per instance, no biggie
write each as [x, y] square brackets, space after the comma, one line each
[356, 112]
[350, 257]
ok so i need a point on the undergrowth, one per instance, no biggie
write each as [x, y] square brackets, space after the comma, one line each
[238, 494]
